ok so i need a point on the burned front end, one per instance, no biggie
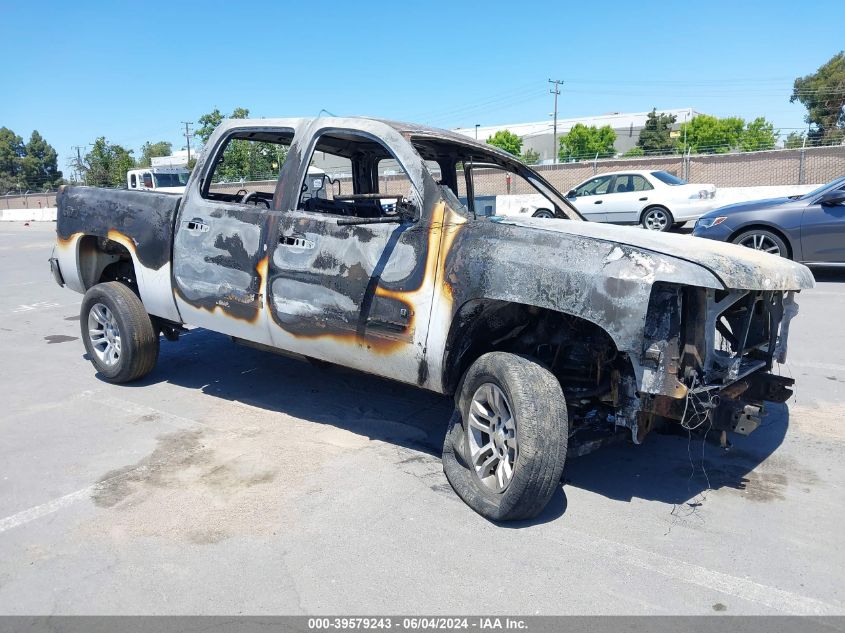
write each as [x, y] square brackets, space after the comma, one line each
[708, 356]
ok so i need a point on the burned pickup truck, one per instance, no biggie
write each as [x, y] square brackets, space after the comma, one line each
[345, 240]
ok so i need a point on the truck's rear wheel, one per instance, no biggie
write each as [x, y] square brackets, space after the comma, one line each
[506, 445]
[118, 334]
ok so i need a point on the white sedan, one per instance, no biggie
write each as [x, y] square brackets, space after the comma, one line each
[657, 200]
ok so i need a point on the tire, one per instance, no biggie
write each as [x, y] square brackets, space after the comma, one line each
[534, 399]
[543, 213]
[657, 219]
[118, 334]
[762, 240]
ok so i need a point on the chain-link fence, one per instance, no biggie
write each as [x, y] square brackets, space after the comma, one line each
[40, 200]
[811, 165]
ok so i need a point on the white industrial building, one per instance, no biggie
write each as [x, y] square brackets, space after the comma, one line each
[539, 135]
[176, 159]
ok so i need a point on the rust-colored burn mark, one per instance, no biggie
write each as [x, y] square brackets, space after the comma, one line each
[68, 242]
[123, 240]
[452, 223]
[442, 231]
[261, 268]
[376, 344]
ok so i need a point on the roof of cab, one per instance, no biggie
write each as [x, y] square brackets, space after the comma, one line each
[364, 124]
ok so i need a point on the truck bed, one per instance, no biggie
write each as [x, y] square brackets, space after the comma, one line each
[144, 217]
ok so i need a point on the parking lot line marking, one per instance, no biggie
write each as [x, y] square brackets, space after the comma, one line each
[27, 309]
[44, 509]
[743, 588]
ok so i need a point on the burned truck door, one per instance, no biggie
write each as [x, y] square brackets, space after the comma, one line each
[347, 279]
[220, 253]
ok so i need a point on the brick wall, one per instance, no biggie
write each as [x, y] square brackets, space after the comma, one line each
[749, 169]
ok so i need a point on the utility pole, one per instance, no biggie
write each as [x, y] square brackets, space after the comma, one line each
[477, 125]
[188, 135]
[555, 91]
[78, 149]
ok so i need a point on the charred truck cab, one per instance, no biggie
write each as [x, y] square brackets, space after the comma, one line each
[545, 331]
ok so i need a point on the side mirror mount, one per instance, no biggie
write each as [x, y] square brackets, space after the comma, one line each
[571, 194]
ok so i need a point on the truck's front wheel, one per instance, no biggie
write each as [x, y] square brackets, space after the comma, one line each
[118, 334]
[506, 445]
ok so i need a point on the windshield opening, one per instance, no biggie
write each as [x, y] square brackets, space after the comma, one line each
[818, 190]
[488, 183]
[171, 180]
[669, 179]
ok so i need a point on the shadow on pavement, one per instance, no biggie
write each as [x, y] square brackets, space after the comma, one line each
[828, 274]
[675, 468]
[374, 407]
[667, 468]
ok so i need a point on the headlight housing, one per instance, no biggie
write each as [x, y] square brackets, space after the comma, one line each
[706, 223]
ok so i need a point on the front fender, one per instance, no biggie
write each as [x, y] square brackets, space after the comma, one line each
[608, 284]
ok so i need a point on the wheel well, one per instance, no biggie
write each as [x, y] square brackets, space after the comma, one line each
[764, 227]
[576, 350]
[101, 260]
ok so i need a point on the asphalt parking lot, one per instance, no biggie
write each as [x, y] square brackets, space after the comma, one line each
[231, 481]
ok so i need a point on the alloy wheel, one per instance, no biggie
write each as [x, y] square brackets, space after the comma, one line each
[493, 447]
[104, 334]
[761, 242]
[656, 220]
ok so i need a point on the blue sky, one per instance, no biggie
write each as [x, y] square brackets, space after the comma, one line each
[133, 71]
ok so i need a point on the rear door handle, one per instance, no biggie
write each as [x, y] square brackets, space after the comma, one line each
[597, 202]
[296, 241]
[643, 199]
[196, 225]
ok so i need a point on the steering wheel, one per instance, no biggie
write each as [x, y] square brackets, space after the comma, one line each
[241, 192]
[248, 197]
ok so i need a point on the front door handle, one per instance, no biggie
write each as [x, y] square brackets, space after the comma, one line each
[644, 199]
[597, 202]
[196, 225]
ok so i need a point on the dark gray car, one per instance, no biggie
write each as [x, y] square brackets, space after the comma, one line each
[808, 228]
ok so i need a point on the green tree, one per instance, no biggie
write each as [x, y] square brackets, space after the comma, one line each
[635, 151]
[154, 150]
[758, 135]
[208, 122]
[106, 164]
[507, 141]
[40, 164]
[706, 134]
[655, 137]
[530, 157]
[794, 140]
[585, 142]
[823, 94]
[12, 151]
[33, 166]
[247, 160]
